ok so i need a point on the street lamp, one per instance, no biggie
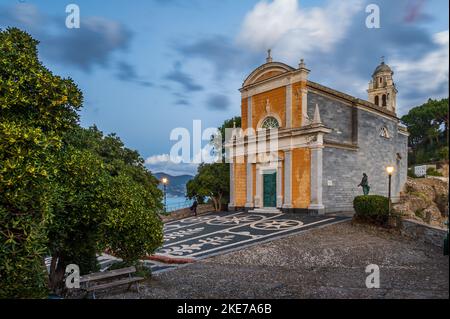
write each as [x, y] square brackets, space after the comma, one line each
[165, 181]
[390, 171]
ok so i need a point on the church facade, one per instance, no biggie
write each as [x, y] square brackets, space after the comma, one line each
[325, 141]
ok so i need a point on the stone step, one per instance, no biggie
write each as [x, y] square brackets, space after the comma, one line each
[270, 210]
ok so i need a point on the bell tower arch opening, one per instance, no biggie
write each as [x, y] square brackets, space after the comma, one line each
[382, 90]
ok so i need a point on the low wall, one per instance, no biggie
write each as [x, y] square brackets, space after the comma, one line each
[186, 212]
[423, 232]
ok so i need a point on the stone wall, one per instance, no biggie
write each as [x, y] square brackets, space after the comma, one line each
[186, 212]
[423, 232]
[334, 114]
[344, 165]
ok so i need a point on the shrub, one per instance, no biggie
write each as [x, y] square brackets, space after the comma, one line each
[78, 209]
[433, 172]
[24, 209]
[419, 213]
[443, 153]
[132, 228]
[411, 173]
[372, 208]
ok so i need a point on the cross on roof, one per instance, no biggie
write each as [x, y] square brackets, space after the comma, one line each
[269, 55]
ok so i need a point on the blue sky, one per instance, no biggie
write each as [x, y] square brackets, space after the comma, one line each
[147, 67]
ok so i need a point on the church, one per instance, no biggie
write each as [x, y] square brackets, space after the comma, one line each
[325, 141]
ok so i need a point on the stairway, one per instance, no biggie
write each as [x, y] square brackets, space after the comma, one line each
[266, 210]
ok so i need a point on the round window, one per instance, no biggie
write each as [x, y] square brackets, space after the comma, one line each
[270, 123]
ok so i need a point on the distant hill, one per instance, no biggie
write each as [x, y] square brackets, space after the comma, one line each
[177, 184]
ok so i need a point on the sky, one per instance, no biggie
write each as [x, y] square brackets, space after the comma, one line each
[147, 67]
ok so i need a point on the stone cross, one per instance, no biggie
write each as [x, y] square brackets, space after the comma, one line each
[269, 56]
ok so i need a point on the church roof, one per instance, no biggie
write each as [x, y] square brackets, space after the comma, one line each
[383, 67]
[267, 70]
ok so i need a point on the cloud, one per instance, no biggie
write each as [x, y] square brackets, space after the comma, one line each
[163, 163]
[183, 79]
[294, 31]
[94, 44]
[221, 51]
[342, 52]
[218, 102]
[21, 16]
[182, 102]
[427, 75]
[126, 72]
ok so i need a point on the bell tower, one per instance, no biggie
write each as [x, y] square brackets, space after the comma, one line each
[382, 90]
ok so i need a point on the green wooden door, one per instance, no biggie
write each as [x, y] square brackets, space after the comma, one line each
[270, 190]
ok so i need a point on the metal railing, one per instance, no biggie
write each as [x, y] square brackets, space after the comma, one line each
[173, 207]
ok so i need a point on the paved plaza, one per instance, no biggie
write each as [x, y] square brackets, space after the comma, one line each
[217, 233]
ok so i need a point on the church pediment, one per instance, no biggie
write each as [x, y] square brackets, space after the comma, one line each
[267, 71]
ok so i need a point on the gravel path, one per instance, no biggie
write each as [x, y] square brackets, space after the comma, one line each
[329, 262]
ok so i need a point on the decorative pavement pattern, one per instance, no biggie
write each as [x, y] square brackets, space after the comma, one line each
[216, 233]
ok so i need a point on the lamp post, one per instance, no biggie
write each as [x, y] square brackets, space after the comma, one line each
[390, 171]
[165, 181]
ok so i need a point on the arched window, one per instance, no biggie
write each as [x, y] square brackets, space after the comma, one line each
[384, 100]
[377, 100]
[270, 122]
[384, 132]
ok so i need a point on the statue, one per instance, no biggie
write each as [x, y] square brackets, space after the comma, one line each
[365, 185]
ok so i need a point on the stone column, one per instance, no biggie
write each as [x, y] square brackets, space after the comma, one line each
[304, 97]
[287, 179]
[316, 180]
[258, 197]
[232, 196]
[249, 113]
[279, 185]
[289, 106]
[249, 203]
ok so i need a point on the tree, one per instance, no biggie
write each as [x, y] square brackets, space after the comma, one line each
[132, 228]
[36, 107]
[64, 190]
[227, 124]
[29, 92]
[79, 209]
[25, 168]
[428, 128]
[213, 181]
[105, 199]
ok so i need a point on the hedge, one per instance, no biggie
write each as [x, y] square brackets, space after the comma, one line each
[372, 208]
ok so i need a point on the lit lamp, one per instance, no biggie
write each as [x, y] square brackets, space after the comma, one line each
[390, 171]
[165, 181]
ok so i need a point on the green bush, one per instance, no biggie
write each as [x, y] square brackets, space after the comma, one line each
[24, 209]
[64, 190]
[443, 153]
[372, 208]
[411, 173]
[36, 107]
[132, 228]
[433, 172]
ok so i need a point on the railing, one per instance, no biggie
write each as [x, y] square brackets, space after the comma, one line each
[173, 207]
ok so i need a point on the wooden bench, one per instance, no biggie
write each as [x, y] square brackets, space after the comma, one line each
[93, 282]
